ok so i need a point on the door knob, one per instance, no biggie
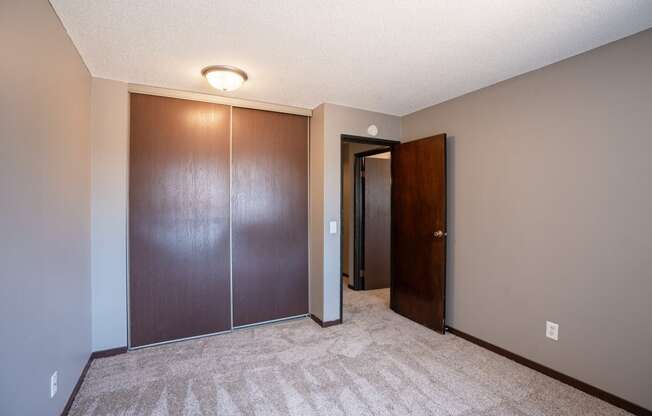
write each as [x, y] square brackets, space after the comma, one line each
[438, 234]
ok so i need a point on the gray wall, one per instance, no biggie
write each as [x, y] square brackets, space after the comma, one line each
[109, 155]
[549, 202]
[44, 227]
[316, 231]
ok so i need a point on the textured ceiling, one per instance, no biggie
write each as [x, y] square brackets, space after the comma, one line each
[392, 56]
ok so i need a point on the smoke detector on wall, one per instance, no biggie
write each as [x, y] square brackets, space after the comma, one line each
[372, 130]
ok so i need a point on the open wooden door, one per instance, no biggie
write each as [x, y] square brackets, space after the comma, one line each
[418, 286]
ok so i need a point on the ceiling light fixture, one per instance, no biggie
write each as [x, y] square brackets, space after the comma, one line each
[224, 78]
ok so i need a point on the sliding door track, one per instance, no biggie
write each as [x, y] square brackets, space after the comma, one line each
[273, 321]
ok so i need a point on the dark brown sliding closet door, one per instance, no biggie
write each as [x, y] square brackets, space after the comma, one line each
[178, 219]
[270, 216]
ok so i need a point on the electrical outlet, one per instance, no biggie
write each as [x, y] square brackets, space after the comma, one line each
[53, 384]
[552, 330]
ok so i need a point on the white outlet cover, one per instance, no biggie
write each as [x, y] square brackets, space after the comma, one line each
[53, 384]
[332, 227]
[552, 330]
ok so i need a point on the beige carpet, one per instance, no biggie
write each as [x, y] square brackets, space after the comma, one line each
[376, 363]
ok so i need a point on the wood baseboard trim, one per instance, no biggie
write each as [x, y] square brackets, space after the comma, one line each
[108, 353]
[75, 390]
[325, 324]
[573, 382]
[96, 354]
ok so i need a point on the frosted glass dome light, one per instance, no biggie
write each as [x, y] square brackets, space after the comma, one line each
[224, 78]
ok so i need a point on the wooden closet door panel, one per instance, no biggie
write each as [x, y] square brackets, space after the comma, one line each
[179, 282]
[270, 216]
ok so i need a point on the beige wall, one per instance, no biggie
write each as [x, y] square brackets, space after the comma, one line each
[325, 192]
[109, 155]
[549, 202]
[316, 212]
[45, 287]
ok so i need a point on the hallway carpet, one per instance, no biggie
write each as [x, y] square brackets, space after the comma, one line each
[376, 363]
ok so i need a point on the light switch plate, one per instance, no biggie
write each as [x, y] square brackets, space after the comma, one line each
[552, 330]
[332, 227]
[54, 383]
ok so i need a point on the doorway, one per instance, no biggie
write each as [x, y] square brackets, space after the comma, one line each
[357, 155]
[415, 261]
[372, 180]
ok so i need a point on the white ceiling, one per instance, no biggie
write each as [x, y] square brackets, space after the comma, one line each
[392, 56]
